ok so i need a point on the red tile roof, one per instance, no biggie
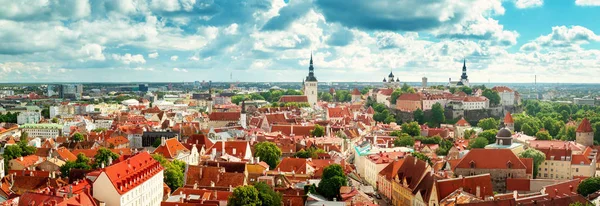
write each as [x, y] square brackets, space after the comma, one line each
[390, 171]
[508, 118]
[502, 89]
[206, 175]
[582, 158]
[140, 167]
[288, 164]
[567, 188]
[386, 92]
[585, 126]
[528, 162]
[298, 130]
[28, 160]
[491, 159]
[171, 148]
[355, 92]
[462, 122]
[409, 97]
[293, 98]
[370, 110]
[239, 146]
[118, 140]
[469, 184]
[65, 154]
[277, 118]
[224, 116]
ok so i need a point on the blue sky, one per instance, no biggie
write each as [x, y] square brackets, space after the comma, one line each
[271, 40]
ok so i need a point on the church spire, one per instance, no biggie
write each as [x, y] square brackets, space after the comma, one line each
[311, 71]
[311, 62]
[464, 70]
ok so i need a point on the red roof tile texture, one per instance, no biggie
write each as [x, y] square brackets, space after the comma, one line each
[293, 98]
[140, 167]
[224, 116]
[508, 118]
[491, 159]
[171, 148]
[585, 126]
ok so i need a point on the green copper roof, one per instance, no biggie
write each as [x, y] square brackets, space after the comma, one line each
[42, 126]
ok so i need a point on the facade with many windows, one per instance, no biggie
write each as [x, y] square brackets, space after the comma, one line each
[137, 181]
[42, 130]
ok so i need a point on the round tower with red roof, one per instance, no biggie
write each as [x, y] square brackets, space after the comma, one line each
[509, 123]
[585, 133]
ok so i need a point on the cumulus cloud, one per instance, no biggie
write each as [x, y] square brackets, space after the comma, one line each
[129, 59]
[174, 58]
[179, 70]
[587, 2]
[562, 36]
[522, 4]
[153, 55]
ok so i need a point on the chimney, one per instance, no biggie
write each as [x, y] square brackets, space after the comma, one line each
[223, 148]
[162, 141]
[21, 158]
[234, 151]
[110, 160]
[257, 159]
[212, 184]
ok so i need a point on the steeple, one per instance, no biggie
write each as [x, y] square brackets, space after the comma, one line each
[464, 70]
[311, 71]
[243, 107]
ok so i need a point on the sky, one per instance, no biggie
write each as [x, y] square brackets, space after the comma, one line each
[272, 40]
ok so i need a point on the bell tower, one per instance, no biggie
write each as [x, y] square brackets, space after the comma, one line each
[310, 85]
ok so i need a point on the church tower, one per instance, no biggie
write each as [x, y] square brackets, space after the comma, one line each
[243, 117]
[310, 85]
[585, 133]
[464, 79]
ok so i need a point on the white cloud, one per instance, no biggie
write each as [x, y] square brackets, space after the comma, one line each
[174, 58]
[129, 59]
[194, 58]
[179, 70]
[143, 69]
[570, 38]
[522, 4]
[587, 2]
[153, 55]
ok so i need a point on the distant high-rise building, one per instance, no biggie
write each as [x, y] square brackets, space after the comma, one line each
[424, 82]
[310, 85]
[70, 91]
[143, 88]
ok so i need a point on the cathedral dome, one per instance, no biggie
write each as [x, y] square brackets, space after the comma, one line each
[504, 133]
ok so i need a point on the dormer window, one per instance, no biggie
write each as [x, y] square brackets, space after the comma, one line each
[472, 164]
[509, 165]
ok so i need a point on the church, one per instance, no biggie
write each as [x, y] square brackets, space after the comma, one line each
[464, 79]
[390, 83]
[310, 85]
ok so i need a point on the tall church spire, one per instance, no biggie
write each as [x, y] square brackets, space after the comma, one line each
[311, 71]
[464, 70]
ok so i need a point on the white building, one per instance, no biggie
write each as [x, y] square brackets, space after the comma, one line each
[430, 100]
[31, 117]
[310, 85]
[475, 103]
[508, 97]
[133, 182]
[42, 130]
[584, 101]
[103, 123]
[70, 109]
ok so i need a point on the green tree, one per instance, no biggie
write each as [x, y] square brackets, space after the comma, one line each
[319, 131]
[404, 141]
[437, 114]
[395, 96]
[411, 128]
[26, 149]
[82, 162]
[54, 120]
[596, 127]
[469, 133]
[389, 119]
[421, 156]
[267, 196]
[466, 90]
[492, 95]
[528, 129]
[537, 156]
[332, 180]
[236, 99]
[488, 123]
[567, 133]
[78, 137]
[174, 171]
[325, 96]
[489, 135]
[268, 152]
[543, 135]
[102, 156]
[589, 186]
[244, 196]
[419, 116]
[478, 142]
